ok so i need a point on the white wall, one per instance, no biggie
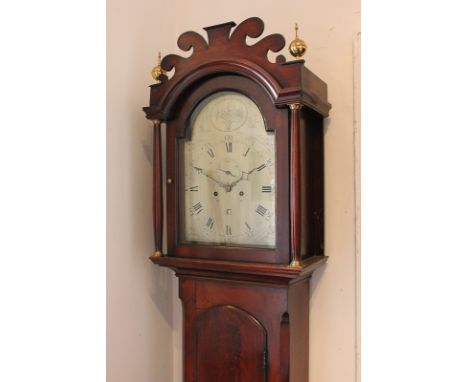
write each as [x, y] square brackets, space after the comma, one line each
[144, 310]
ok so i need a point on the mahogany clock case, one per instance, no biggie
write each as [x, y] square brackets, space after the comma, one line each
[245, 310]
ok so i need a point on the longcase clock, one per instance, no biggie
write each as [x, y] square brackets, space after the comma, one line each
[244, 186]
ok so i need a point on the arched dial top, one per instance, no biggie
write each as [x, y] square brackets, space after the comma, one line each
[228, 182]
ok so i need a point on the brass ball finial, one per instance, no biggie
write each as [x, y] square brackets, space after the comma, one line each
[157, 70]
[297, 47]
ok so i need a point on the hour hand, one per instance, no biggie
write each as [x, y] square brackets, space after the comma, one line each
[227, 172]
[201, 171]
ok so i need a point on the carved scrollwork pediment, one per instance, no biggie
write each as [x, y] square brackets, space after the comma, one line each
[226, 51]
[222, 41]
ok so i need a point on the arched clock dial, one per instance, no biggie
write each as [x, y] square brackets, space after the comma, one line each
[228, 195]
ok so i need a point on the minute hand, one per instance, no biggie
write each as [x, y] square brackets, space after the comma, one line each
[245, 175]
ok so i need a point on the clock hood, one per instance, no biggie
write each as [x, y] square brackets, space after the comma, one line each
[226, 52]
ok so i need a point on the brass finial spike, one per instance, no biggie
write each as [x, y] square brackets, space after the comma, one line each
[157, 70]
[297, 47]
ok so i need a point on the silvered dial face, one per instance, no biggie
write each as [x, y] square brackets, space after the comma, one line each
[228, 182]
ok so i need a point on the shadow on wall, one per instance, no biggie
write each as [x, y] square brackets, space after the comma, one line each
[160, 291]
[315, 280]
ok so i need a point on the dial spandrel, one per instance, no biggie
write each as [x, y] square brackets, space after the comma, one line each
[228, 187]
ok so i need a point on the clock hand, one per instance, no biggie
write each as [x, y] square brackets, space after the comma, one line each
[227, 172]
[221, 184]
[251, 171]
[230, 186]
[201, 171]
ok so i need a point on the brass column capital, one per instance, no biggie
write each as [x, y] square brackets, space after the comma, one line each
[295, 106]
